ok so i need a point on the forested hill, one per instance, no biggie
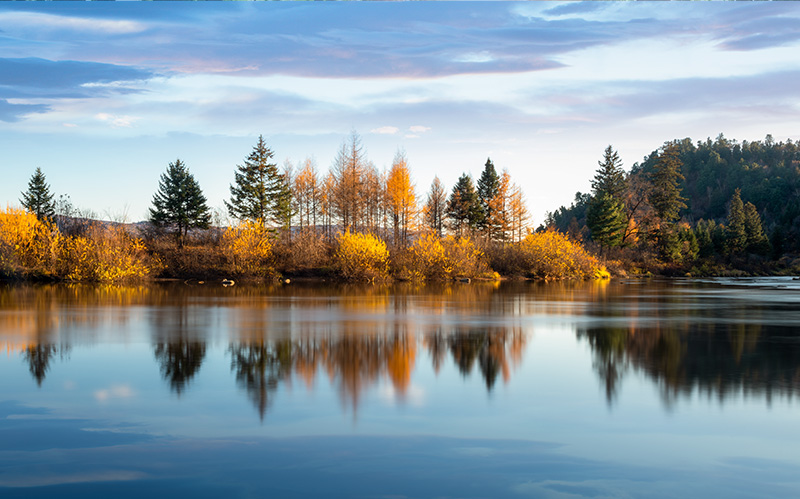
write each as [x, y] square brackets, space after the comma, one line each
[766, 172]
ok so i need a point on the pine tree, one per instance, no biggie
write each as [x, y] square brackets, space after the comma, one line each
[435, 207]
[488, 186]
[665, 198]
[610, 177]
[606, 216]
[737, 232]
[38, 199]
[260, 192]
[179, 203]
[665, 195]
[463, 206]
[606, 220]
[757, 241]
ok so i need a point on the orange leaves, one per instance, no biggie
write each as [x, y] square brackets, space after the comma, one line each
[361, 256]
[248, 249]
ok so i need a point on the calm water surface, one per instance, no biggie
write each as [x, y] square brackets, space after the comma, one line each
[621, 389]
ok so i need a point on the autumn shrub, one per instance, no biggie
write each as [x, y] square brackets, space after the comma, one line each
[105, 254]
[431, 257]
[28, 246]
[553, 255]
[247, 248]
[361, 256]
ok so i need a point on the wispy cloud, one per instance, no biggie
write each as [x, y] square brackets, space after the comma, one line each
[39, 20]
[385, 130]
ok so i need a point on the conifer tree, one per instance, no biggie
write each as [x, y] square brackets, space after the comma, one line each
[260, 192]
[435, 207]
[38, 199]
[606, 220]
[737, 233]
[488, 186]
[666, 200]
[606, 215]
[463, 206]
[610, 177]
[179, 203]
[757, 241]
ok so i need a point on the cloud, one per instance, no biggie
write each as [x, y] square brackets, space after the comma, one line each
[11, 113]
[40, 21]
[116, 391]
[385, 130]
[35, 77]
[568, 8]
[418, 129]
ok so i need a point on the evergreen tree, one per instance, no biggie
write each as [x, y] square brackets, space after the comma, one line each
[606, 216]
[665, 198]
[665, 195]
[606, 220]
[260, 191]
[38, 199]
[463, 206]
[488, 187]
[179, 202]
[610, 177]
[737, 232]
[757, 241]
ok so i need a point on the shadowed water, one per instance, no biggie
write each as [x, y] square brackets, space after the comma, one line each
[628, 388]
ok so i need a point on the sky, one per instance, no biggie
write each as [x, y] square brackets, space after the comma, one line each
[103, 96]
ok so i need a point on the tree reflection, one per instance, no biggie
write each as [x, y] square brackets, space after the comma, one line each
[259, 367]
[39, 356]
[180, 361]
[720, 360]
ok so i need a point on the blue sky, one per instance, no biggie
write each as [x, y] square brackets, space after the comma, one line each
[102, 96]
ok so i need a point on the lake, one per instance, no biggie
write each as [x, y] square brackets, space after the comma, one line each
[628, 388]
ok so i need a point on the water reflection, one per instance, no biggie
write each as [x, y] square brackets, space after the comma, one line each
[690, 338]
[717, 342]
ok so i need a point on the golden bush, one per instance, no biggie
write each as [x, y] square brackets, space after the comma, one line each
[105, 254]
[553, 255]
[431, 257]
[361, 256]
[248, 249]
[27, 245]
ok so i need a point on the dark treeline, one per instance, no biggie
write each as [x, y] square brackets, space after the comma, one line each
[734, 204]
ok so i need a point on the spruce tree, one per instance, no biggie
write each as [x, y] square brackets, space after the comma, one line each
[488, 187]
[463, 206]
[605, 215]
[737, 233]
[757, 241]
[666, 200]
[606, 220]
[38, 199]
[259, 192]
[610, 177]
[179, 203]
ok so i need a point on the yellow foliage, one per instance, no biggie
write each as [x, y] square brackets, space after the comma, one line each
[431, 257]
[105, 254]
[361, 256]
[552, 255]
[27, 245]
[248, 249]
